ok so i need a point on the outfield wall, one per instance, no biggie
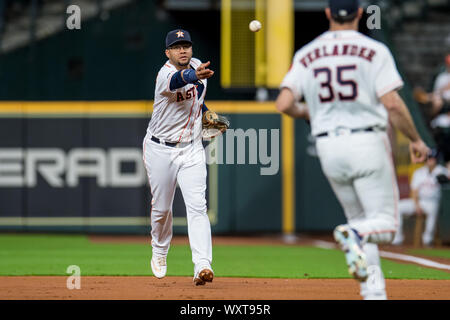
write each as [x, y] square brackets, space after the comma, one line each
[443, 224]
[77, 166]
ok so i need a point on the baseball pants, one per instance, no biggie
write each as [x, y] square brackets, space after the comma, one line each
[430, 208]
[361, 173]
[360, 170]
[165, 167]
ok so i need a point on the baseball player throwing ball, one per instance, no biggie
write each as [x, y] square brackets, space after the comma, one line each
[173, 152]
[350, 83]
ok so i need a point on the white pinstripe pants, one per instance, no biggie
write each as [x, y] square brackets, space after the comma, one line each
[165, 167]
[360, 170]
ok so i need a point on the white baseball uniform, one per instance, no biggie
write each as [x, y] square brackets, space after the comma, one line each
[429, 193]
[442, 80]
[342, 75]
[177, 118]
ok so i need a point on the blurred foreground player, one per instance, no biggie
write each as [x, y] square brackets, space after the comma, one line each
[350, 84]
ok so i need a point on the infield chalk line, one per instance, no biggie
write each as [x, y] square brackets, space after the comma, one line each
[392, 255]
[422, 261]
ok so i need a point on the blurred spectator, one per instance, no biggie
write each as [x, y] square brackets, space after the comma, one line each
[441, 106]
[441, 132]
[437, 101]
[425, 198]
[441, 90]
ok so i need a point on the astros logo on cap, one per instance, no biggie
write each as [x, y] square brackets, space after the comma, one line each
[180, 34]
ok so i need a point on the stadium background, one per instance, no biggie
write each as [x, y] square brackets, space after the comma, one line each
[74, 107]
[92, 88]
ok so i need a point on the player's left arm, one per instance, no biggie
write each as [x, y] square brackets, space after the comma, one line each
[286, 104]
[387, 82]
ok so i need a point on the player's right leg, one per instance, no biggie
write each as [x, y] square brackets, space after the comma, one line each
[161, 172]
[334, 165]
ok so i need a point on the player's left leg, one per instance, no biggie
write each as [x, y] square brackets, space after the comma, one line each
[405, 208]
[431, 209]
[192, 182]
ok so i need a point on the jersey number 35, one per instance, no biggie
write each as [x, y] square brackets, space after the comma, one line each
[328, 92]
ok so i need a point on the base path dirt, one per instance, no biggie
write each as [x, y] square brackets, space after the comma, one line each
[182, 288]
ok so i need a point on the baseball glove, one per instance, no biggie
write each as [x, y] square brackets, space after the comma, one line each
[213, 125]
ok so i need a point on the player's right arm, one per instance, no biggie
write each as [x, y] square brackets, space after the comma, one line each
[183, 77]
[288, 99]
[286, 104]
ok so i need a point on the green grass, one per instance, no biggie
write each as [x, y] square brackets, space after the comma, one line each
[439, 253]
[52, 254]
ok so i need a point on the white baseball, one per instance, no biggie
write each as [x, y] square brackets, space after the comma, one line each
[255, 25]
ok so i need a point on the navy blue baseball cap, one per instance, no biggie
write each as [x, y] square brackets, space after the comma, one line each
[343, 8]
[178, 35]
[433, 153]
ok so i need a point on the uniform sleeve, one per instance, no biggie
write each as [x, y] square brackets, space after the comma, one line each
[195, 62]
[387, 76]
[163, 80]
[202, 84]
[292, 79]
[439, 82]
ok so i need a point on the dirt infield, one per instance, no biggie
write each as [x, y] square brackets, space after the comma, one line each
[182, 288]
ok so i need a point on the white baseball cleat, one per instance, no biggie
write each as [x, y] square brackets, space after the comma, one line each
[376, 296]
[204, 275]
[159, 266]
[350, 243]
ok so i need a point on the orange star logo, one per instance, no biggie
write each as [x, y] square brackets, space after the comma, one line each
[180, 34]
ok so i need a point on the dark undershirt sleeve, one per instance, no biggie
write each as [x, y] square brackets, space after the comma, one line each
[180, 80]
